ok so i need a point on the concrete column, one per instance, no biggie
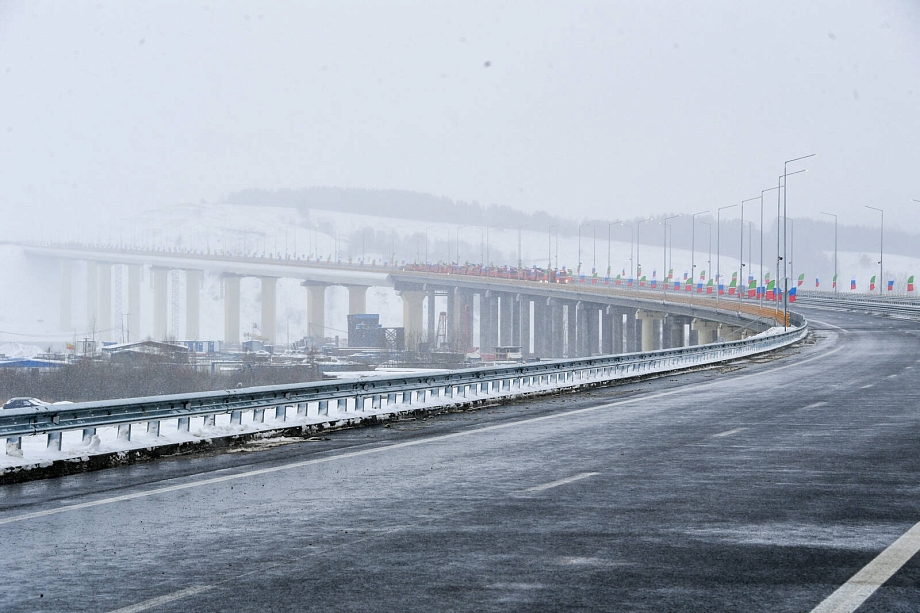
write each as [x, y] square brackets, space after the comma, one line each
[506, 319]
[134, 303]
[557, 317]
[231, 310]
[357, 299]
[412, 317]
[160, 283]
[666, 329]
[525, 336]
[607, 317]
[581, 330]
[731, 333]
[542, 328]
[432, 320]
[316, 311]
[192, 304]
[707, 331]
[452, 318]
[269, 308]
[516, 303]
[104, 319]
[651, 322]
[571, 332]
[66, 295]
[594, 329]
[92, 296]
[464, 320]
[676, 330]
[619, 344]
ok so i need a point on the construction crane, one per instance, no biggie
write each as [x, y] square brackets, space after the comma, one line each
[441, 338]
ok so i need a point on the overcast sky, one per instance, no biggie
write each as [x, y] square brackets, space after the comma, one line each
[588, 109]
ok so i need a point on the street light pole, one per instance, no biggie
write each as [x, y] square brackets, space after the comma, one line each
[881, 246]
[631, 238]
[835, 249]
[457, 234]
[741, 283]
[785, 260]
[638, 262]
[664, 250]
[709, 257]
[693, 243]
[549, 247]
[719, 245]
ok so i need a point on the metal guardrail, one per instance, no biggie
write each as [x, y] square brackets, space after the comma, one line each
[900, 306]
[384, 392]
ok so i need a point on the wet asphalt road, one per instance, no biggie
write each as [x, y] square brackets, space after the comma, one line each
[762, 485]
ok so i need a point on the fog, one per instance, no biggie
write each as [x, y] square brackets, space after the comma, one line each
[591, 110]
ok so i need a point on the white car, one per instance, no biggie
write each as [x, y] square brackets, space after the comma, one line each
[25, 403]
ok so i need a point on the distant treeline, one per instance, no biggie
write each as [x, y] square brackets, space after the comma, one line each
[88, 380]
[398, 204]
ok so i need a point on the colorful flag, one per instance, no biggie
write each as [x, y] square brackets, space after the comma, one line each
[872, 283]
[817, 283]
[890, 284]
[801, 280]
[752, 288]
[853, 284]
[702, 275]
[732, 285]
[792, 294]
[619, 279]
[642, 281]
[670, 274]
[910, 283]
[835, 282]
[709, 287]
[771, 290]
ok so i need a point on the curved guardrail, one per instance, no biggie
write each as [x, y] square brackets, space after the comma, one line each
[878, 305]
[398, 392]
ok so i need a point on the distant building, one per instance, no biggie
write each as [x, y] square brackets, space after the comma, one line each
[146, 352]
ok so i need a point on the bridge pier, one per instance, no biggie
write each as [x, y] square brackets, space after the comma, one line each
[463, 322]
[505, 319]
[66, 294]
[160, 283]
[571, 330]
[104, 321]
[134, 302]
[412, 317]
[594, 329]
[92, 295]
[269, 308]
[316, 310]
[432, 320]
[651, 322]
[707, 331]
[524, 336]
[231, 308]
[192, 303]
[357, 299]
[542, 328]
[557, 328]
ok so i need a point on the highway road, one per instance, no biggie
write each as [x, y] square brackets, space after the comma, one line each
[764, 485]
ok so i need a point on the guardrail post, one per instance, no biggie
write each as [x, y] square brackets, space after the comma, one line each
[281, 412]
[407, 397]
[257, 415]
[184, 423]
[14, 446]
[342, 405]
[124, 432]
[301, 409]
[153, 427]
[210, 420]
[420, 395]
[391, 399]
[54, 441]
[236, 418]
[323, 408]
[88, 434]
[359, 403]
[375, 401]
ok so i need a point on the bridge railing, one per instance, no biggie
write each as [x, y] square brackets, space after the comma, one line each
[349, 399]
[900, 306]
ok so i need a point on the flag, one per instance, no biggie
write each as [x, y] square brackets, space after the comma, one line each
[703, 275]
[688, 284]
[72, 347]
[872, 283]
[910, 283]
[752, 288]
[890, 284]
[642, 281]
[771, 290]
[817, 283]
[619, 279]
[685, 276]
[654, 282]
[721, 288]
[709, 287]
[670, 274]
[677, 285]
[834, 286]
[801, 280]
[792, 294]
[732, 286]
[852, 284]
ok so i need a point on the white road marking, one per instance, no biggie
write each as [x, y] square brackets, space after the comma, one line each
[873, 575]
[161, 600]
[729, 432]
[381, 449]
[815, 405]
[546, 486]
[865, 387]
[891, 376]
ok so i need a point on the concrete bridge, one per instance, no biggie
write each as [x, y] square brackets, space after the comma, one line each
[545, 319]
